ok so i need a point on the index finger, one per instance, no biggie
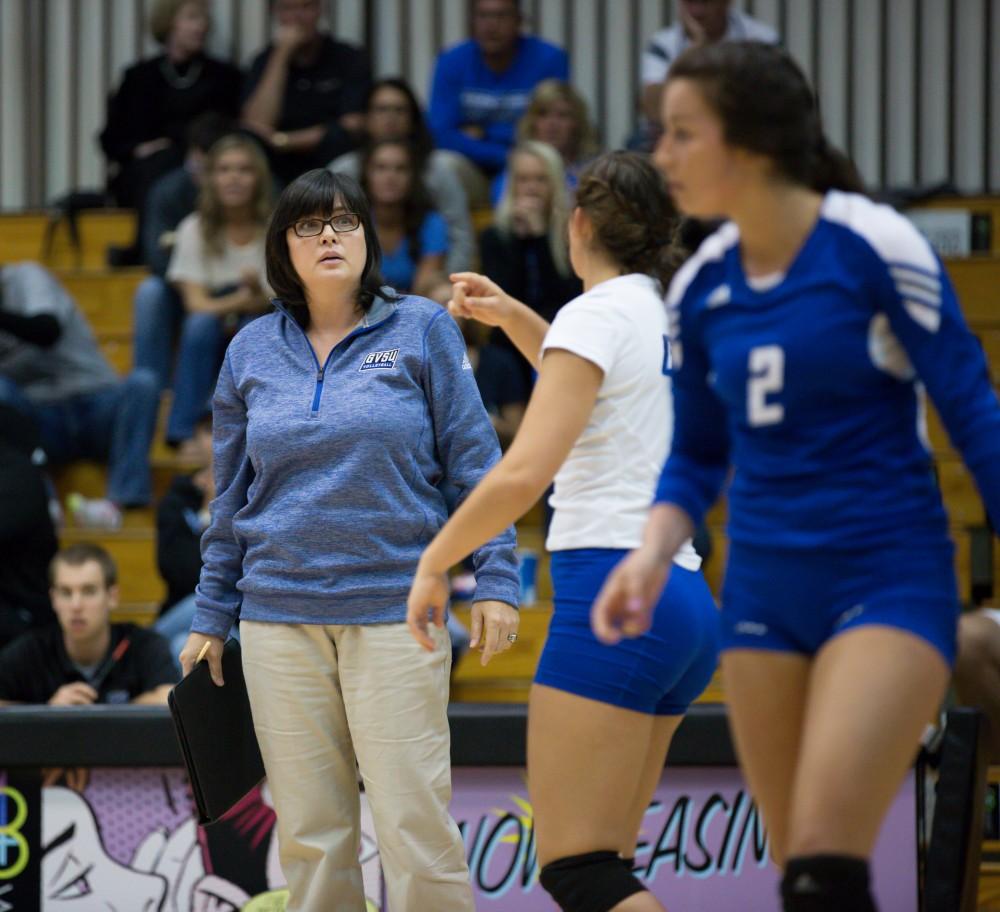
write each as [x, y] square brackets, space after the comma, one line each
[456, 277]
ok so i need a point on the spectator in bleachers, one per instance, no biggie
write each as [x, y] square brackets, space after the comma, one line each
[557, 115]
[52, 370]
[698, 22]
[86, 659]
[217, 265]
[181, 517]
[412, 235]
[27, 536]
[158, 308]
[501, 381]
[526, 251]
[393, 112]
[305, 92]
[175, 195]
[148, 117]
[481, 88]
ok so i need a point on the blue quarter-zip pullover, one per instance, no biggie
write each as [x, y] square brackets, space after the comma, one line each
[328, 477]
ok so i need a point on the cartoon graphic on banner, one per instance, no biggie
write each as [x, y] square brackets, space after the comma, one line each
[121, 840]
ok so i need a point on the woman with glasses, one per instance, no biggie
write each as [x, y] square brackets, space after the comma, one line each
[338, 419]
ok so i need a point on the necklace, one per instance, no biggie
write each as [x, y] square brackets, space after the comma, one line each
[175, 79]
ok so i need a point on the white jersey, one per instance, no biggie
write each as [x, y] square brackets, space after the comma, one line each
[605, 487]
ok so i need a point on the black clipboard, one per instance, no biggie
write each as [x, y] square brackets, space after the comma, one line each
[216, 734]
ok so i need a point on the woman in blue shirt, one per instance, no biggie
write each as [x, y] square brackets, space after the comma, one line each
[413, 236]
[337, 420]
[803, 333]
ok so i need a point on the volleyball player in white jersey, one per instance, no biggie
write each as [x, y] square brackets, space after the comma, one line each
[601, 416]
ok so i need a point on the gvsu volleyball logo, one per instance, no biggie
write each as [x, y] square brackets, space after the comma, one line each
[13, 846]
[380, 360]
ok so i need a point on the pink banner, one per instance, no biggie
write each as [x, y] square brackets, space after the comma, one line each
[120, 840]
[702, 848]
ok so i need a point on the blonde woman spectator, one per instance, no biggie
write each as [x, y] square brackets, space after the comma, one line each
[558, 115]
[218, 268]
[526, 251]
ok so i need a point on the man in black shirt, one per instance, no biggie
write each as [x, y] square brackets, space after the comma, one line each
[86, 659]
[305, 93]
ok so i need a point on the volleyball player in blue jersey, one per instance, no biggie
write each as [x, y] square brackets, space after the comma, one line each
[600, 414]
[803, 333]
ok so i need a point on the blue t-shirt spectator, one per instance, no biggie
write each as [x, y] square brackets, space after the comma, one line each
[467, 93]
[399, 267]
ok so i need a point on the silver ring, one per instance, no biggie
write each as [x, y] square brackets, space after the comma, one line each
[512, 637]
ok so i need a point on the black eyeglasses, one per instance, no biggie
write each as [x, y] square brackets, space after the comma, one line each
[311, 227]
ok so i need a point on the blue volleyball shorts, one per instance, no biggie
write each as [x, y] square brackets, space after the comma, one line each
[794, 601]
[659, 673]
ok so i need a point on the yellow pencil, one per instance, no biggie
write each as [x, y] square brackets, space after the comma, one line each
[204, 651]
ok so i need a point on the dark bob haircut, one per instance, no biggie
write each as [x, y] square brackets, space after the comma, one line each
[318, 192]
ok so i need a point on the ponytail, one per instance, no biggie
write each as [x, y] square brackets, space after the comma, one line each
[833, 170]
[634, 220]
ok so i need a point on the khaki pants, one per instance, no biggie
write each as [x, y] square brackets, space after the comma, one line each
[322, 696]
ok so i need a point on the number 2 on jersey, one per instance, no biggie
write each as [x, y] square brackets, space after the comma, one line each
[766, 369]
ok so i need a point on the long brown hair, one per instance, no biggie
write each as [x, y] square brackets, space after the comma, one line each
[211, 215]
[766, 106]
[417, 203]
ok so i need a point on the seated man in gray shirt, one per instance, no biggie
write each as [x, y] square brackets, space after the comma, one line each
[52, 370]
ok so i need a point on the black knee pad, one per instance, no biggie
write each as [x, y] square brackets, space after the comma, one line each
[826, 883]
[593, 882]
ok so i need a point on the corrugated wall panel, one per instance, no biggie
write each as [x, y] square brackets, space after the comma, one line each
[832, 52]
[57, 106]
[970, 95]
[584, 62]
[13, 105]
[910, 87]
[992, 118]
[865, 68]
[899, 120]
[935, 71]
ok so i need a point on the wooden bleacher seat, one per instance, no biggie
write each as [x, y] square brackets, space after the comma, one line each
[22, 237]
[481, 220]
[976, 281]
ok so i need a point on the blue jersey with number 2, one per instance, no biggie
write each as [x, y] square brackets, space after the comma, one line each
[810, 386]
